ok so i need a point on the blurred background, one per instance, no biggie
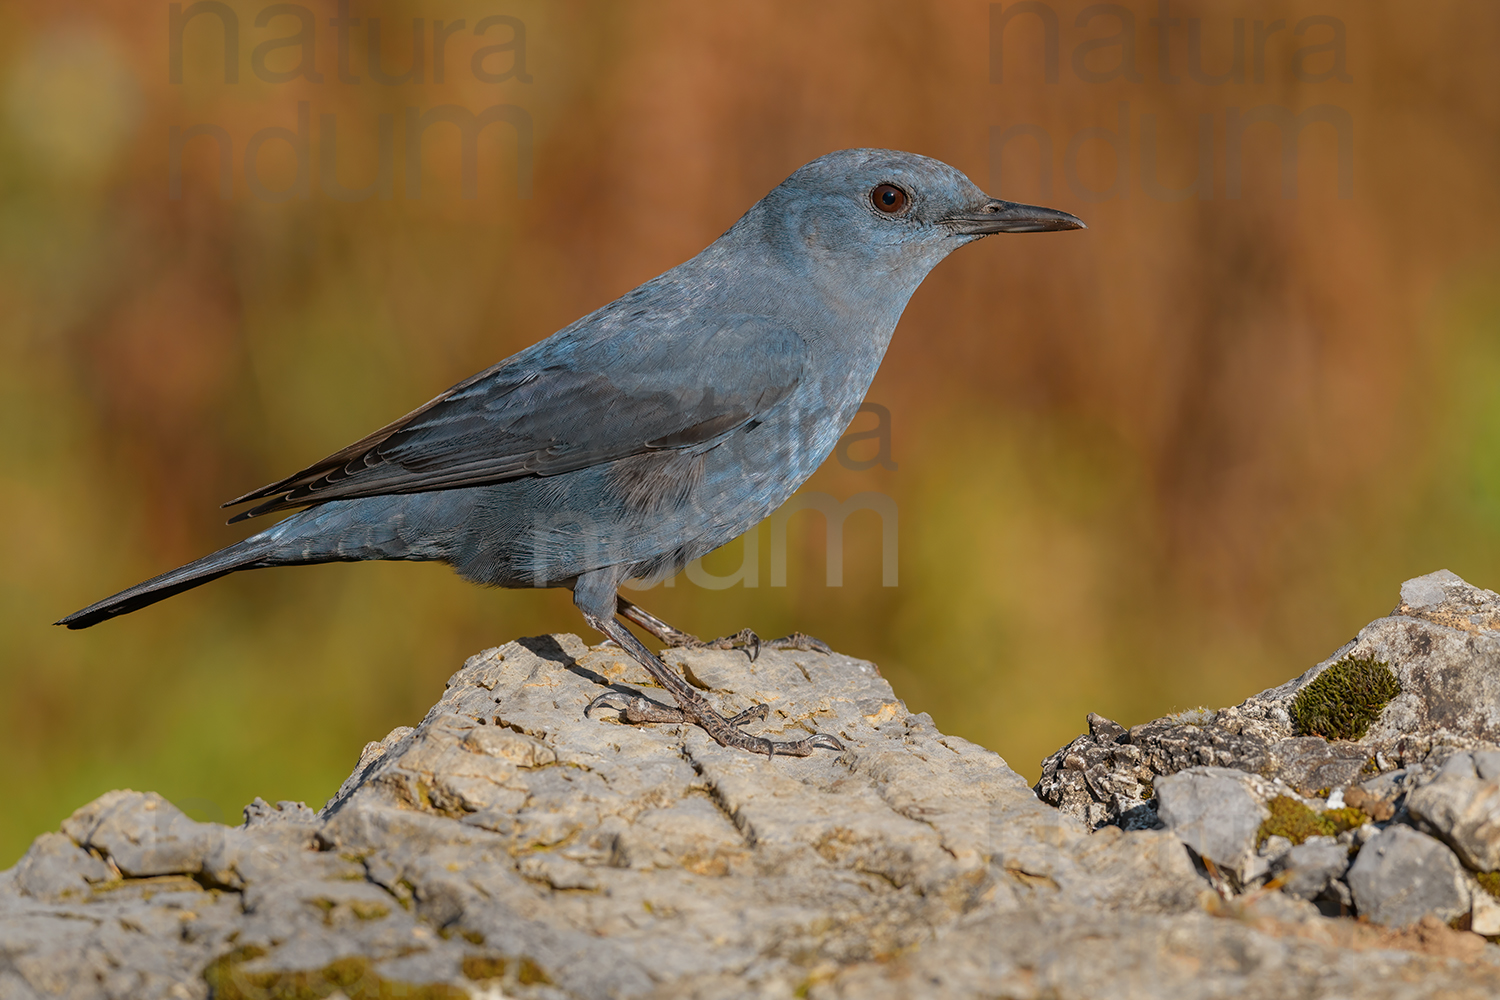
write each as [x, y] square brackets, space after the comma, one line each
[1166, 462]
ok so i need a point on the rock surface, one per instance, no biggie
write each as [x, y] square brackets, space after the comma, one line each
[507, 846]
[1444, 651]
[1413, 704]
[1401, 876]
[1214, 811]
[1462, 807]
[1307, 869]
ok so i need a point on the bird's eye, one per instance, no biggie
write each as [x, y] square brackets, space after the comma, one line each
[888, 198]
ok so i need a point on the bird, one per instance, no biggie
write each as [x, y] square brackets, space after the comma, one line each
[649, 432]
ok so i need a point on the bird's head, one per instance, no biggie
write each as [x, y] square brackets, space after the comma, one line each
[886, 214]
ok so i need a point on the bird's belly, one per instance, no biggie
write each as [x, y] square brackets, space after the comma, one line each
[547, 530]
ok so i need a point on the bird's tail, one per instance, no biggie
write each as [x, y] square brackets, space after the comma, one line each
[252, 553]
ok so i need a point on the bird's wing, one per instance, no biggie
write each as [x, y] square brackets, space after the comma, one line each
[562, 406]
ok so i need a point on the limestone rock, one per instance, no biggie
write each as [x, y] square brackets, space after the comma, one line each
[1308, 868]
[1415, 704]
[142, 834]
[55, 868]
[1444, 651]
[1402, 875]
[1485, 914]
[1213, 811]
[1463, 809]
[506, 846]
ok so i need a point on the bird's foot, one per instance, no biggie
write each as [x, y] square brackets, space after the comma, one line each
[802, 641]
[745, 639]
[637, 708]
[752, 644]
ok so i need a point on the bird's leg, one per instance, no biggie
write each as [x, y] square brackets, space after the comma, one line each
[693, 706]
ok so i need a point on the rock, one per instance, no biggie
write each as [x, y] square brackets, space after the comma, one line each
[1274, 846]
[55, 868]
[1485, 914]
[1311, 762]
[1402, 875]
[260, 812]
[1442, 651]
[1308, 868]
[1401, 726]
[1446, 599]
[1427, 591]
[1213, 811]
[142, 834]
[507, 846]
[1368, 803]
[1463, 810]
[509, 840]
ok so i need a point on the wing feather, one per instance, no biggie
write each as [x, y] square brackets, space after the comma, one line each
[562, 405]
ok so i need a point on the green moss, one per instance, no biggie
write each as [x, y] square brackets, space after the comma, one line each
[326, 905]
[483, 967]
[1347, 818]
[530, 973]
[1342, 701]
[350, 977]
[1489, 882]
[1292, 820]
[1296, 822]
[369, 910]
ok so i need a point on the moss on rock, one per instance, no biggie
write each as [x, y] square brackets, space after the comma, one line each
[1489, 882]
[1297, 822]
[1342, 701]
[1347, 818]
[350, 977]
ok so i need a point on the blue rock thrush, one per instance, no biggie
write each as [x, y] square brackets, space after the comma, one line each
[649, 432]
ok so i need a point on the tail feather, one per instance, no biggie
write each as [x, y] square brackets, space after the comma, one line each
[249, 554]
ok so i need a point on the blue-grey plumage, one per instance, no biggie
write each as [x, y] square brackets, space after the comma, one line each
[651, 431]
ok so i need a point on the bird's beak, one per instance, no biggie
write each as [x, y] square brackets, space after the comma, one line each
[1008, 217]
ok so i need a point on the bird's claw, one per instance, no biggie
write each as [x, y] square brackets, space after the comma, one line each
[637, 708]
[745, 639]
[804, 748]
[801, 641]
[755, 713]
[737, 739]
[752, 644]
